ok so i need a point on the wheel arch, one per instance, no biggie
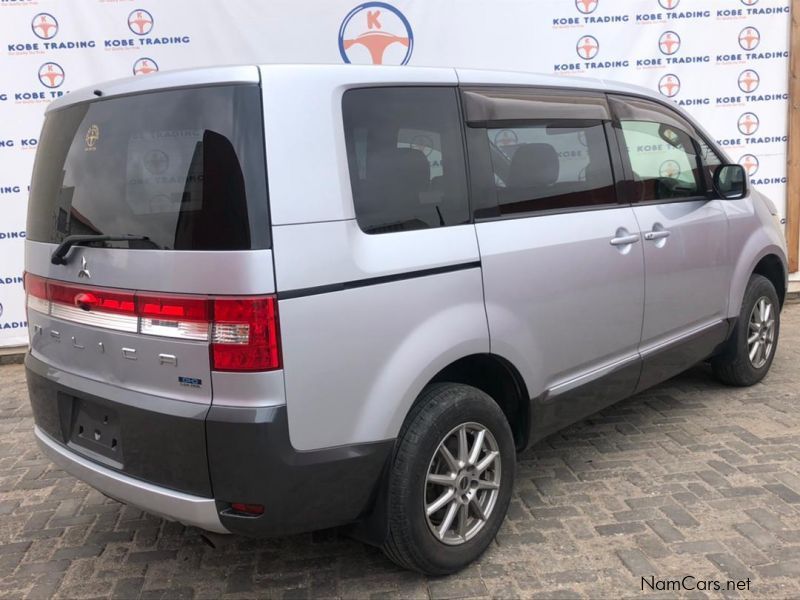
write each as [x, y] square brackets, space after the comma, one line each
[771, 267]
[770, 262]
[499, 379]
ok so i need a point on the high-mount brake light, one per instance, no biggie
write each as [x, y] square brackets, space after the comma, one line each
[242, 331]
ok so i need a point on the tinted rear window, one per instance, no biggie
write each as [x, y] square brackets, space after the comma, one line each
[183, 167]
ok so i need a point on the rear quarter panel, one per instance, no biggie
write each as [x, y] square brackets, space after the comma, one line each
[356, 359]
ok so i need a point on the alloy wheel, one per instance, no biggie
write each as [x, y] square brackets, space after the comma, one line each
[462, 484]
[761, 332]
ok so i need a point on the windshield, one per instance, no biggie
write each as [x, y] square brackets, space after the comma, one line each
[184, 168]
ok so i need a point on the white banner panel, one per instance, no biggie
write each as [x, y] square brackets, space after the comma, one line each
[726, 61]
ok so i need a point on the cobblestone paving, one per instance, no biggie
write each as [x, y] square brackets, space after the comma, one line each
[690, 478]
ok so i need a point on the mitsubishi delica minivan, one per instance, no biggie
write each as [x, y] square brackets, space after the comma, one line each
[267, 300]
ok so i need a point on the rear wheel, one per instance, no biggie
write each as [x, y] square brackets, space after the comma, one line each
[748, 353]
[451, 480]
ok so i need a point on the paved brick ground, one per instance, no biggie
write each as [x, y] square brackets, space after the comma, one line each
[691, 478]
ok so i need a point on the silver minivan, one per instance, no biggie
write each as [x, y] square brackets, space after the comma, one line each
[272, 299]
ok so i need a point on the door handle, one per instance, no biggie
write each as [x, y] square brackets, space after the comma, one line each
[656, 235]
[625, 240]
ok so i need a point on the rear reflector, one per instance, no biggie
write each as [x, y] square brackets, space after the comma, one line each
[247, 509]
[242, 331]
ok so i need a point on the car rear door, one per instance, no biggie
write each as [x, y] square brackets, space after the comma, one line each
[181, 172]
[685, 230]
[562, 256]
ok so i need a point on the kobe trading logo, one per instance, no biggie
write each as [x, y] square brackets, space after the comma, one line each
[669, 43]
[140, 21]
[750, 163]
[51, 75]
[145, 66]
[587, 7]
[669, 85]
[749, 38]
[748, 123]
[587, 47]
[376, 33]
[44, 26]
[749, 81]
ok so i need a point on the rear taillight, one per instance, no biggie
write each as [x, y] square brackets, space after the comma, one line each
[183, 317]
[244, 336]
[242, 331]
[36, 293]
[100, 307]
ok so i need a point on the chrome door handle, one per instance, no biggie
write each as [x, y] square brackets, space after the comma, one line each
[656, 235]
[624, 240]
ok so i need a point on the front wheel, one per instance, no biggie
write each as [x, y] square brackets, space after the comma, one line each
[747, 355]
[451, 480]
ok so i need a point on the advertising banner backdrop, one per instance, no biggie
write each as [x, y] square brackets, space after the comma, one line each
[726, 61]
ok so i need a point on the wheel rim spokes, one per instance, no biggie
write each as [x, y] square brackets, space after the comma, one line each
[761, 332]
[462, 483]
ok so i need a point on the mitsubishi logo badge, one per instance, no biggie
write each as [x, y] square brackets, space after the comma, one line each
[84, 272]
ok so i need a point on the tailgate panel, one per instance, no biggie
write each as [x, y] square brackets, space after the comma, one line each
[97, 354]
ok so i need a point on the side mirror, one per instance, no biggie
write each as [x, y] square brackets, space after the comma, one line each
[730, 182]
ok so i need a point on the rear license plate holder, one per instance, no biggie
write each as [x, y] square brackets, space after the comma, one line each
[96, 431]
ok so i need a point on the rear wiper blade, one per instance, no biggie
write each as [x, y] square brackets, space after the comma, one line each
[59, 254]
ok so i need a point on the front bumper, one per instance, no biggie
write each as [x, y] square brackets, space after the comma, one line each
[170, 504]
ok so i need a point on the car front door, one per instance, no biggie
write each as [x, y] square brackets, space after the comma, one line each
[684, 229]
[562, 257]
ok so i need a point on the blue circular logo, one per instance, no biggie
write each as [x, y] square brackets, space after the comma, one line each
[376, 33]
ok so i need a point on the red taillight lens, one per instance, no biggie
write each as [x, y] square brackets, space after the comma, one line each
[244, 335]
[35, 286]
[179, 308]
[98, 299]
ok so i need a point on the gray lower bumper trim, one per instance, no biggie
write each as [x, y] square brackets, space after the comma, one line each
[172, 505]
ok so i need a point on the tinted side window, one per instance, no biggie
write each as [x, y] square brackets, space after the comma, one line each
[406, 158]
[663, 161]
[555, 165]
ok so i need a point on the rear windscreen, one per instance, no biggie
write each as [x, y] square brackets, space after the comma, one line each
[185, 168]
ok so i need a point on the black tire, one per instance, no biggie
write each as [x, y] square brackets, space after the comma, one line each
[732, 365]
[440, 409]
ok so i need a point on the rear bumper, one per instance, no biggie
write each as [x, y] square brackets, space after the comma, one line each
[233, 454]
[172, 505]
